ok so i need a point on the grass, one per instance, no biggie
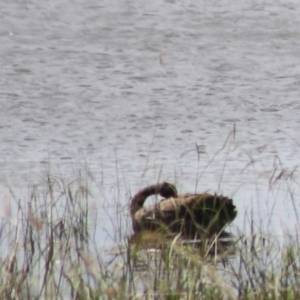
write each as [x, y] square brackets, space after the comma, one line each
[52, 251]
[51, 255]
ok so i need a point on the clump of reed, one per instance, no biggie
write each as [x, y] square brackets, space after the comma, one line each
[50, 253]
[50, 250]
[43, 245]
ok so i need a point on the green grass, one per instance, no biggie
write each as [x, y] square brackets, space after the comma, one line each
[51, 253]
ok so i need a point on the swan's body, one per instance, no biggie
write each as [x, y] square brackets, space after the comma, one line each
[190, 214]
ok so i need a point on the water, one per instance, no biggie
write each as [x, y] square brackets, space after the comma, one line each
[130, 88]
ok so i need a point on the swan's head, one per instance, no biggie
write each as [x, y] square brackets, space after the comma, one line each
[167, 190]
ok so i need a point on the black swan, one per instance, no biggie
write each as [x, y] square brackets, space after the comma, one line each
[191, 215]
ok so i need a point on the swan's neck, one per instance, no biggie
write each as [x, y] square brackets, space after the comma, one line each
[139, 199]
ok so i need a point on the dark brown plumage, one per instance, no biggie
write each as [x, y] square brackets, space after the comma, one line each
[191, 215]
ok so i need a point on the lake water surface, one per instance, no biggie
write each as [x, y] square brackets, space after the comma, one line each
[204, 94]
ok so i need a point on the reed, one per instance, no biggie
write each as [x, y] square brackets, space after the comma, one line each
[52, 255]
[50, 250]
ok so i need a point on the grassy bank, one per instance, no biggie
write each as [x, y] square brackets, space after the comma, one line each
[50, 251]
